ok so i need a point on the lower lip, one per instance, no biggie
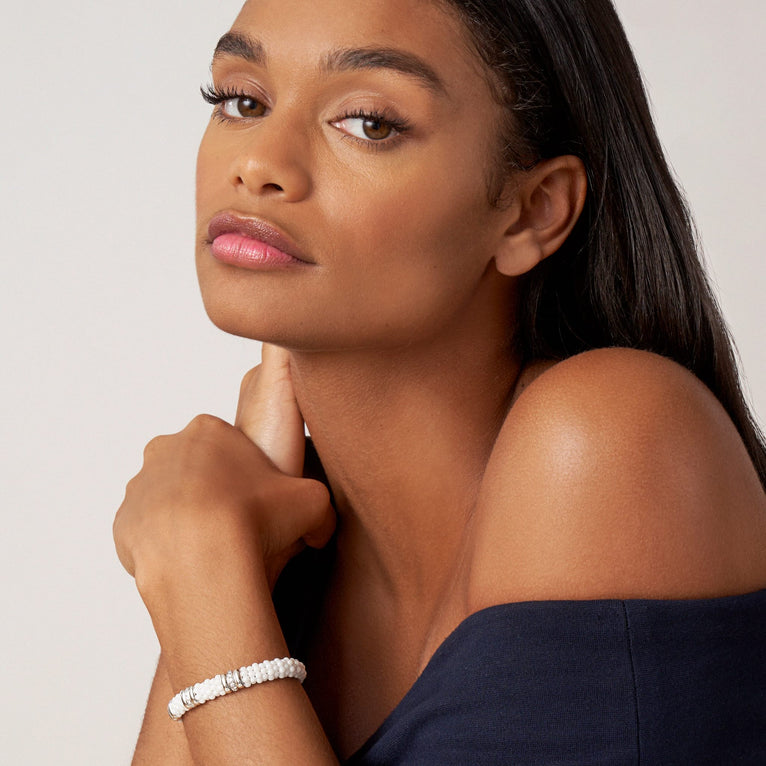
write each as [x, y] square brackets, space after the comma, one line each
[248, 253]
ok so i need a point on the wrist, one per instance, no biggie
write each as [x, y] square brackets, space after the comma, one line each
[233, 681]
[216, 617]
[198, 560]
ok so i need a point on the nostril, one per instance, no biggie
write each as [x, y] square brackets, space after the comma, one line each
[265, 187]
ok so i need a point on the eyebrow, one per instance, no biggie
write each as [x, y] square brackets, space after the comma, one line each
[241, 46]
[349, 59]
[340, 60]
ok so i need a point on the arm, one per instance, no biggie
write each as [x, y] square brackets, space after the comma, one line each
[205, 528]
[203, 633]
[161, 740]
[273, 718]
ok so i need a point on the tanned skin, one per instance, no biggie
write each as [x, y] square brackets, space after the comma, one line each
[460, 478]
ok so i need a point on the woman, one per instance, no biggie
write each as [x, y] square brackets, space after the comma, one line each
[479, 290]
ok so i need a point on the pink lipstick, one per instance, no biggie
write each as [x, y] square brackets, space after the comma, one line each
[252, 244]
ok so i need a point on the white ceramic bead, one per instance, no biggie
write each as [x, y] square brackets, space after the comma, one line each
[218, 686]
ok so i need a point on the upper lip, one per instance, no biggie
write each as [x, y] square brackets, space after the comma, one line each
[255, 228]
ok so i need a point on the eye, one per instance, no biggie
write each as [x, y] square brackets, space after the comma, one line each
[368, 127]
[371, 127]
[233, 105]
[240, 107]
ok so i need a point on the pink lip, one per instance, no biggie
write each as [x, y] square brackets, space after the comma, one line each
[251, 243]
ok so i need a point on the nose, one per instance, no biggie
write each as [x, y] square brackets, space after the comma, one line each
[272, 159]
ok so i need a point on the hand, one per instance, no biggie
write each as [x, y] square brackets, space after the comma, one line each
[220, 496]
[206, 527]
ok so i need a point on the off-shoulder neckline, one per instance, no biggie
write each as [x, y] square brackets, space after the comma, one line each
[495, 609]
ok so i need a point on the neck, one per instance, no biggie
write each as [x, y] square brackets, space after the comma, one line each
[404, 436]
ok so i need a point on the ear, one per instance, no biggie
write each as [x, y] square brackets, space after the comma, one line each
[546, 203]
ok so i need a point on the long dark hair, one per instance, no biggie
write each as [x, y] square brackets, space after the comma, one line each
[630, 273]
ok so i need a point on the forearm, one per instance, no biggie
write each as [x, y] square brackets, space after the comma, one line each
[205, 527]
[162, 740]
[225, 622]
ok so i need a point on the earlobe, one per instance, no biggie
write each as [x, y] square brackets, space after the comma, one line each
[520, 253]
[547, 202]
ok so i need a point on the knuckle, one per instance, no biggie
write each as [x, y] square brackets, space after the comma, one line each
[317, 495]
[153, 446]
[124, 510]
[204, 423]
[119, 538]
[116, 526]
[249, 379]
[130, 489]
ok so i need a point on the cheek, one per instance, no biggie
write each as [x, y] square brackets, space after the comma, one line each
[210, 175]
[415, 251]
[401, 253]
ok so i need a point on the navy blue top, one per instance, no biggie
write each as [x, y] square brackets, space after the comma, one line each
[589, 683]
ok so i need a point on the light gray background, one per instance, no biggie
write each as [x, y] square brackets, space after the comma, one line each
[104, 341]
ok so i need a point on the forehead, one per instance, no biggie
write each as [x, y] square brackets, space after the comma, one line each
[306, 31]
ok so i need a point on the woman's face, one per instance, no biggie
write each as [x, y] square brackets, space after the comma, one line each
[358, 137]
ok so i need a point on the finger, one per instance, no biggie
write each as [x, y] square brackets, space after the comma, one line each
[320, 535]
[268, 412]
[311, 517]
[120, 543]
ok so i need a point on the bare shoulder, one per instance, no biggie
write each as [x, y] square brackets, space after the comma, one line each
[617, 474]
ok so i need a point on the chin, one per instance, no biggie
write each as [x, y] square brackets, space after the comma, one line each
[299, 335]
[232, 320]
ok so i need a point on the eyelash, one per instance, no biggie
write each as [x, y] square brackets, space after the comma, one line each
[217, 96]
[399, 126]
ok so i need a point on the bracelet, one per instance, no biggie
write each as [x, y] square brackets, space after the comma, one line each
[233, 681]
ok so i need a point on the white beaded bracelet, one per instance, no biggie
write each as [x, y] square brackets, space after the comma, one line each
[232, 681]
